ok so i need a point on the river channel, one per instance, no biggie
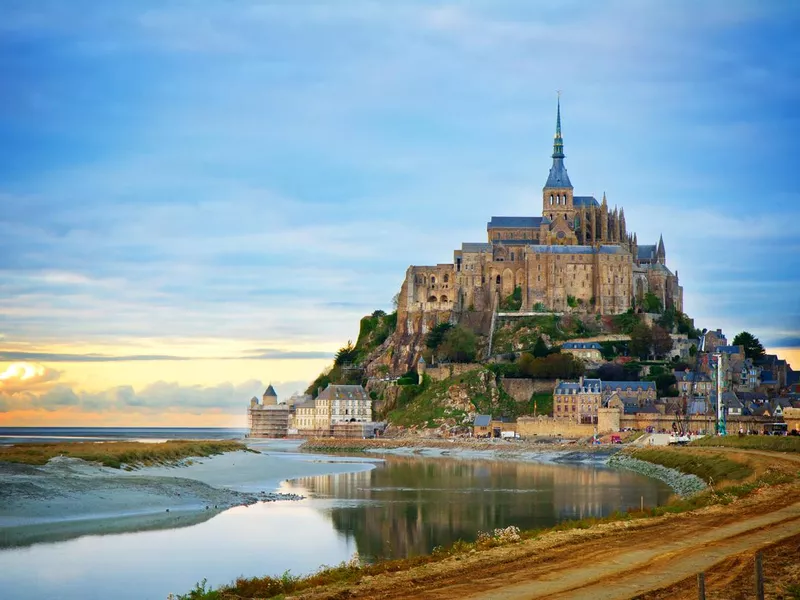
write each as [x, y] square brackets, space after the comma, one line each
[398, 507]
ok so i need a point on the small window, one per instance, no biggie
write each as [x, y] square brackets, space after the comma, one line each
[551, 199]
[497, 281]
[433, 280]
[446, 278]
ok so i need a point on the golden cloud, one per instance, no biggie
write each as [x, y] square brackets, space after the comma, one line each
[26, 377]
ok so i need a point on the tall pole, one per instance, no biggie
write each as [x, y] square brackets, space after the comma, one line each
[720, 406]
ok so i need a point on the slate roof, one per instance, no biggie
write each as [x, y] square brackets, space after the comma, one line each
[482, 420]
[558, 178]
[727, 349]
[581, 346]
[634, 385]
[343, 392]
[684, 376]
[476, 247]
[514, 222]
[584, 201]
[306, 404]
[646, 252]
[271, 391]
[574, 387]
[575, 249]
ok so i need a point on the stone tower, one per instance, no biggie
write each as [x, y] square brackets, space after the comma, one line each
[557, 194]
[270, 397]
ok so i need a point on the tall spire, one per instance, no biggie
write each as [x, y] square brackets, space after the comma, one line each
[558, 141]
[558, 177]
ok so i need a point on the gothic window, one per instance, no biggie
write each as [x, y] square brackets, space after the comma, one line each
[433, 280]
[446, 278]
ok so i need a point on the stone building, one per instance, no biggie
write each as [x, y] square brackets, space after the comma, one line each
[589, 351]
[333, 405]
[577, 400]
[268, 418]
[577, 256]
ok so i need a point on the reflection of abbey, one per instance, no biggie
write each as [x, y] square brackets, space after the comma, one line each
[578, 254]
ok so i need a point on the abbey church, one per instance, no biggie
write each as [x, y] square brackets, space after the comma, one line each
[578, 256]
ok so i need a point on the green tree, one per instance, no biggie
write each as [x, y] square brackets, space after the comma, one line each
[752, 347]
[540, 349]
[641, 340]
[346, 354]
[459, 345]
[692, 350]
[436, 335]
[662, 342]
[513, 301]
[652, 303]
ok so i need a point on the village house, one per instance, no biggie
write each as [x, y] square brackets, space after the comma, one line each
[577, 400]
[588, 351]
[702, 383]
[644, 391]
[482, 426]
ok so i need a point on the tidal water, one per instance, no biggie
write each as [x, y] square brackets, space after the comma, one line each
[30, 435]
[401, 507]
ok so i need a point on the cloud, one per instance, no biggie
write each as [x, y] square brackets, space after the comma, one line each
[26, 377]
[61, 357]
[157, 398]
[272, 353]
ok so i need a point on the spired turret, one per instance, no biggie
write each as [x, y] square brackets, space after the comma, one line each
[557, 194]
[661, 253]
[270, 397]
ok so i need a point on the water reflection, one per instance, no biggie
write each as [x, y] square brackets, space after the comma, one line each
[408, 506]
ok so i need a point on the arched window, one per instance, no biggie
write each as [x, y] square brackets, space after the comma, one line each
[446, 278]
[512, 256]
[433, 280]
[564, 199]
[432, 299]
[443, 299]
[497, 281]
[551, 199]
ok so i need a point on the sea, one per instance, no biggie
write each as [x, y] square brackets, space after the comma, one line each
[37, 435]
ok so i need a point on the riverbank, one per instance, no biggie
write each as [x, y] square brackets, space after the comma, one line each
[625, 555]
[67, 497]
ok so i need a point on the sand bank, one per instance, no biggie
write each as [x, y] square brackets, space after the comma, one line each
[68, 497]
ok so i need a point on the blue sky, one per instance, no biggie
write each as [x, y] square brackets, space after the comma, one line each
[239, 182]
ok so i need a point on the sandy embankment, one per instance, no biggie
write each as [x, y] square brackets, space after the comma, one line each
[69, 497]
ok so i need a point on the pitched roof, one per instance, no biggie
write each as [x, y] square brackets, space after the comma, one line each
[634, 385]
[482, 420]
[343, 392]
[727, 349]
[271, 391]
[646, 252]
[581, 346]
[500, 222]
[476, 247]
[587, 201]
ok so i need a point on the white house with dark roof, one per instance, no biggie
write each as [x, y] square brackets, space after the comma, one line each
[589, 351]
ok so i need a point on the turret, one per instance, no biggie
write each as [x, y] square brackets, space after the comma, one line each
[604, 220]
[661, 253]
[270, 397]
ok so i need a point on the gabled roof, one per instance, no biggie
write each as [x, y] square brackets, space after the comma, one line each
[343, 392]
[727, 349]
[514, 222]
[482, 420]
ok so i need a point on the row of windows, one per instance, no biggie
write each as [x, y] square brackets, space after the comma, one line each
[558, 199]
[422, 279]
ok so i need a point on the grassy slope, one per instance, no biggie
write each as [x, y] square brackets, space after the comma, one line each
[115, 454]
[753, 442]
[711, 468]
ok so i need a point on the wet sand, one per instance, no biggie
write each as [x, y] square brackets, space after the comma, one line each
[68, 497]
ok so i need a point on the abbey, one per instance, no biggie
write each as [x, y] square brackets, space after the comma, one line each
[577, 256]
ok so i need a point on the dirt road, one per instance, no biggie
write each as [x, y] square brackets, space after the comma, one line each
[613, 561]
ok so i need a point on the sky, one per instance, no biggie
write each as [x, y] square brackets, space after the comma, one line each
[200, 198]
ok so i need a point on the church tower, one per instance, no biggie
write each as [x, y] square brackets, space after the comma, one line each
[557, 192]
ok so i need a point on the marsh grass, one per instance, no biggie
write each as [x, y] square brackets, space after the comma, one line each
[126, 455]
[773, 443]
[711, 468]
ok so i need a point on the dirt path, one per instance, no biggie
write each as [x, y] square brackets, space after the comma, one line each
[613, 561]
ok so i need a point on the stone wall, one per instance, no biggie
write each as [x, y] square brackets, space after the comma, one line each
[522, 389]
[443, 372]
[548, 426]
[608, 419]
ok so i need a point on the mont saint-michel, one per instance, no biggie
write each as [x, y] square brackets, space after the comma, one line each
[577, 255]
